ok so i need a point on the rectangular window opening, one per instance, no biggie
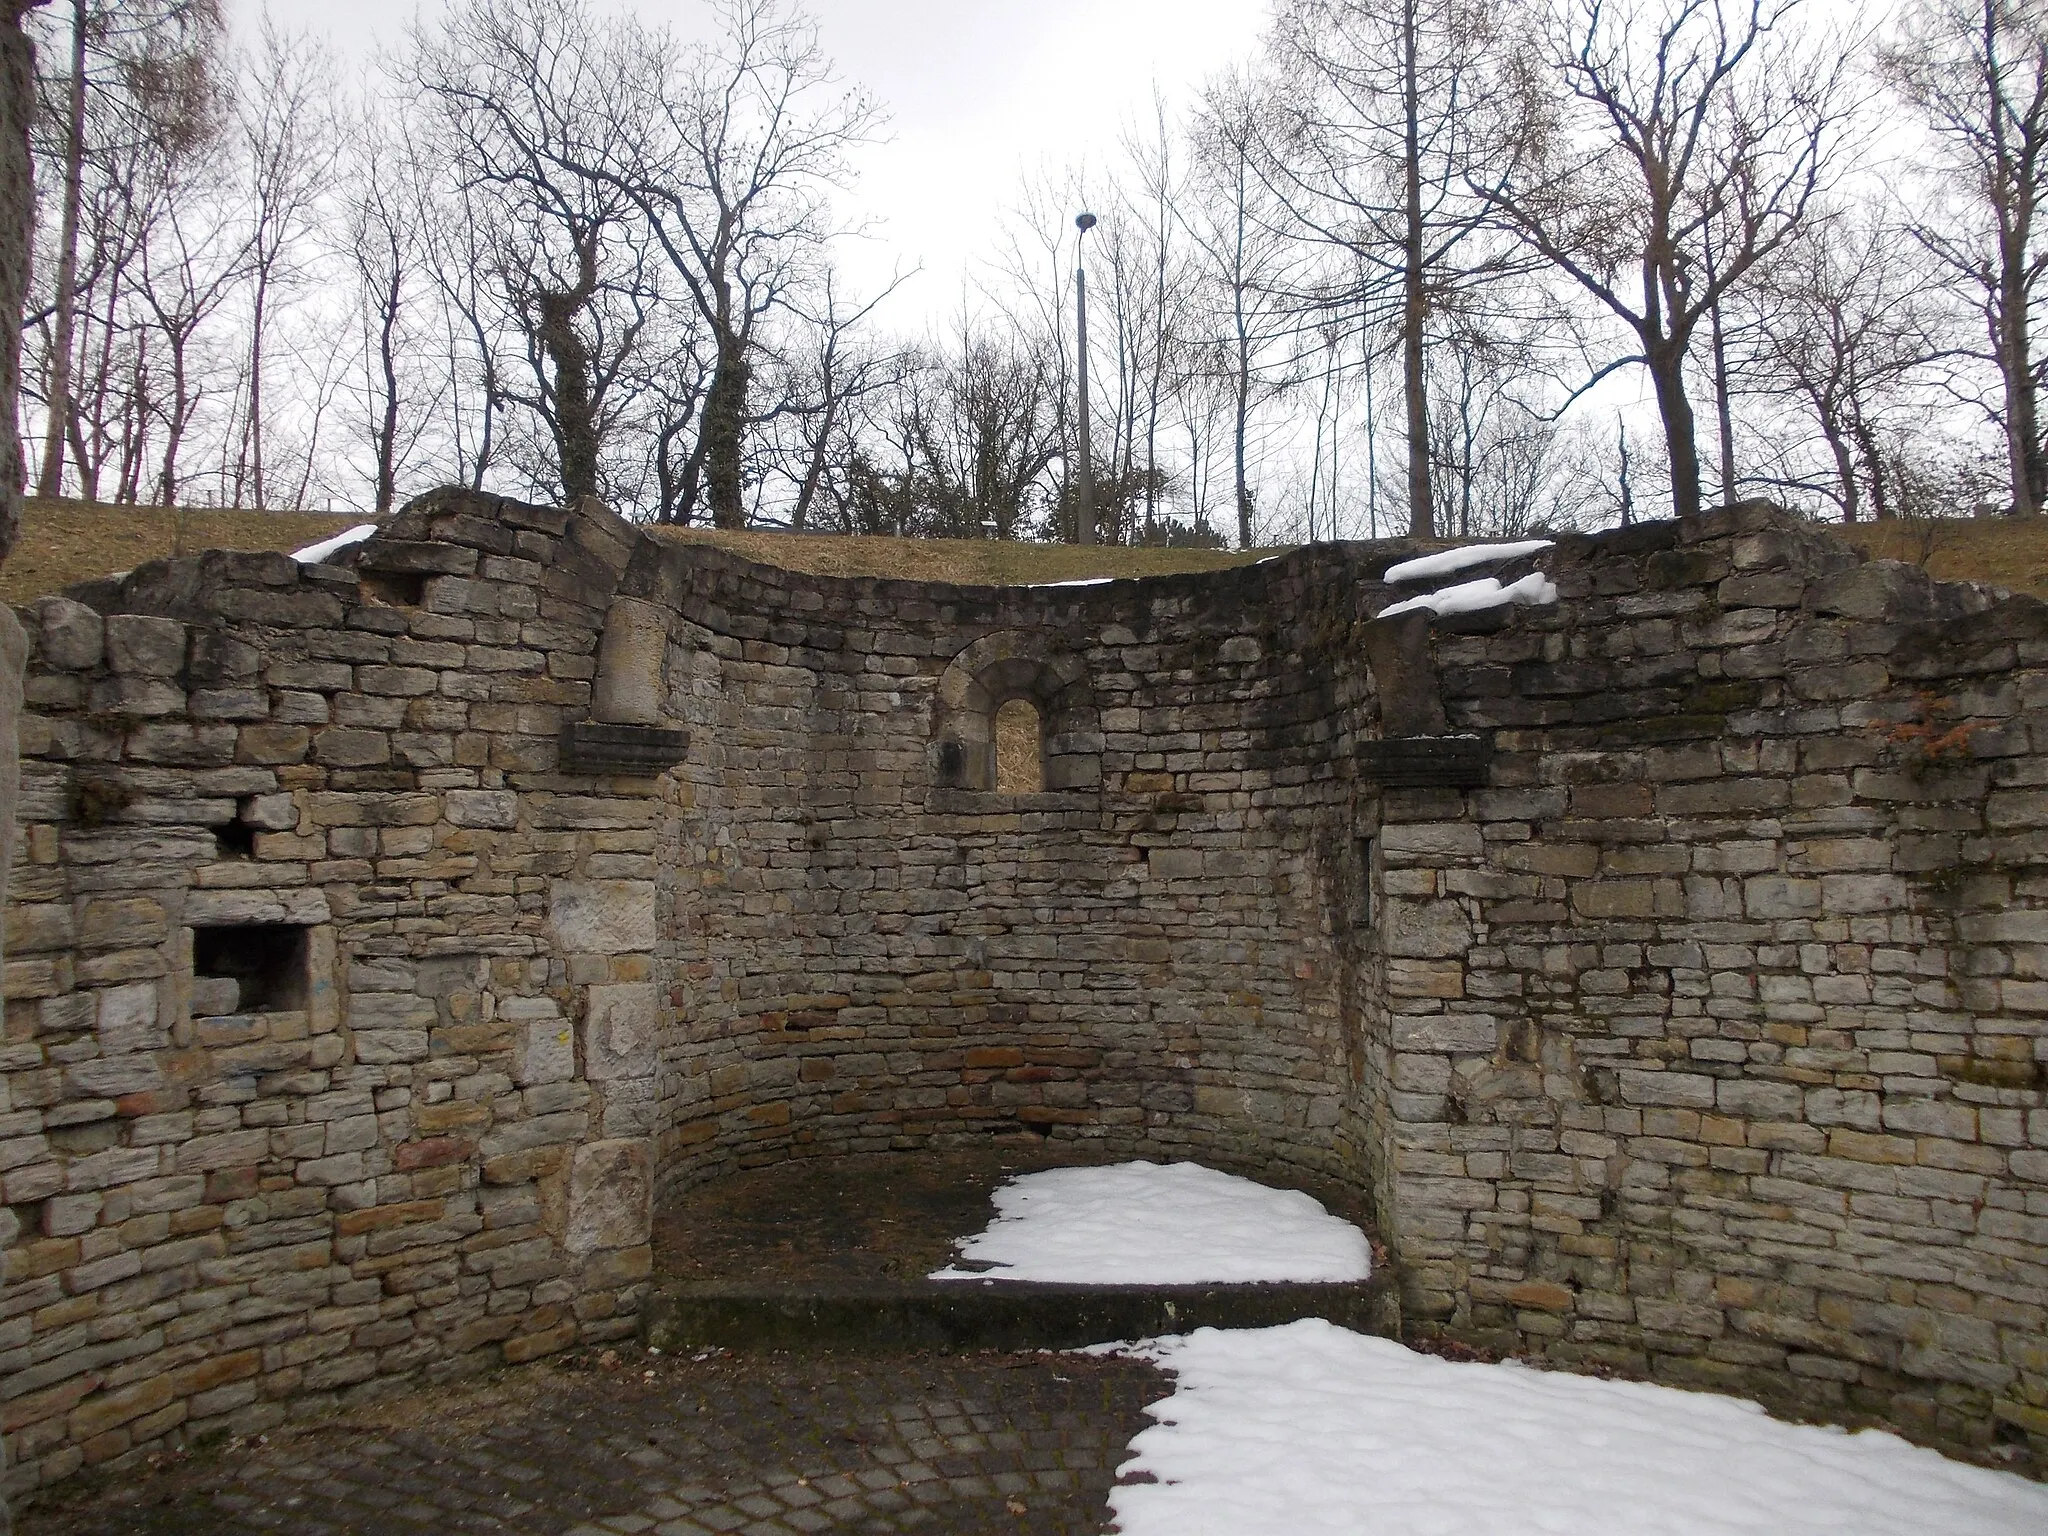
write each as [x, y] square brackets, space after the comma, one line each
[394, 589]
[250, 968]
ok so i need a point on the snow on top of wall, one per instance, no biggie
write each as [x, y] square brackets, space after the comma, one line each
[1472, 596]
[1079, 581]
[1448, 562]
[1313, 1428]
[1147, 1224]
[313, 554]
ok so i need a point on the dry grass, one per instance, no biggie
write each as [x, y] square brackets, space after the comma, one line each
[965, 562]
[63, 542]
[2010, 552]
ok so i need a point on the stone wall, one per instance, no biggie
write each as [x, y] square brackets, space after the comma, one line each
[236, 1197]
[1660, 968]
[1715, 1026]
[868, 952]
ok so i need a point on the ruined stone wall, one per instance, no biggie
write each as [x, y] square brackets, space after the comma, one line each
[1718, 1025]
[868, 957]
[505, 976]
[1661, 968]
[228, 1202]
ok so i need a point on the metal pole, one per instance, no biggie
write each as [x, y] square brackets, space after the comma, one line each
[1085, 512]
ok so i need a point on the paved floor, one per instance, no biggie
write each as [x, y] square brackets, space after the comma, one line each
[624, 1442]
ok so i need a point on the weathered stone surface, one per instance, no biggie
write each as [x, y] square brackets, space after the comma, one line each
[547, 1051]
[611, 1196]
[69, 636]
[630, 658]
[144, 646]
[619, 1031]
[602, 917]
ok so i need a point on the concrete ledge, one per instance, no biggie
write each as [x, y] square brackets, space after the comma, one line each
[996, 1314]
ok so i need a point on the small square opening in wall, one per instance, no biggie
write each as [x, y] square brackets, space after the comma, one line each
[250, 968]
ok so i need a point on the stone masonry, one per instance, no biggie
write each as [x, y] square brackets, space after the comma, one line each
[1668, 967]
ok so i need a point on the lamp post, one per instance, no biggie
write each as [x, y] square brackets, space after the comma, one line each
[1085, 513]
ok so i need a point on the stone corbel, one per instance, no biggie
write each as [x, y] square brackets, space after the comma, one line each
[625, 734]
[1416, 748]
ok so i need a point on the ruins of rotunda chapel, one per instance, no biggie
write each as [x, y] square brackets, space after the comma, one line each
[1665, 967]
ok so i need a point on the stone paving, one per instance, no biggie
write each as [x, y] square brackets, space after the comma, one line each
[627, 1442]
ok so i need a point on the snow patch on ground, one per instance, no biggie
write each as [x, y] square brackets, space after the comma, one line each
[1152, 1224]
[313, 554]
[1471, 596]
[1448, 562]
[1311, 1428]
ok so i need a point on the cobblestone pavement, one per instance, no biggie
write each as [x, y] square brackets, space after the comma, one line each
[759, 1444]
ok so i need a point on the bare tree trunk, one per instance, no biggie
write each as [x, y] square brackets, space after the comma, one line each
[1666, 359]
[258, 316]
[1414, 296]
[1845, 467]
[2022, 413]
[64, 323]
[1724, 417]
[387, 357]
[17, 223]
[725, 420]
[577, 431]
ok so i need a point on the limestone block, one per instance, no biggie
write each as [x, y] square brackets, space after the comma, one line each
[602, 917]
[619, 1031]
[1426, 930]
[545, 1052]
[491, 808]
[71, 637]
[271, 813]
[145, 647]
[249, 906]
[611, 1201]
[128, 1019]
[629, 664]
[215, 996]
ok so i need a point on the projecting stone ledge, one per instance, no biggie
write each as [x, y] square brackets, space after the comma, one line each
[591, 746]
[1426, 762]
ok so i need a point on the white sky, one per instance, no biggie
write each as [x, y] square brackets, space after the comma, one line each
[979, 92]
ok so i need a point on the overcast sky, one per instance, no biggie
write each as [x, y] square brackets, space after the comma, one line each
[978, 91]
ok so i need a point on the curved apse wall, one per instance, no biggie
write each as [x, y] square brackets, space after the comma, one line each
[866, 948]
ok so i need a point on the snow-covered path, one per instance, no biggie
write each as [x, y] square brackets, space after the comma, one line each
[1311, 1429]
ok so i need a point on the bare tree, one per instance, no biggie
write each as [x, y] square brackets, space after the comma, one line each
[1845, 320]
[286, 122]
[1978, 72]
[732, 151]
[137, 70]
[1231, 220]
[386, 250]
[1676, 128]
[520, 92]
[1382, 147]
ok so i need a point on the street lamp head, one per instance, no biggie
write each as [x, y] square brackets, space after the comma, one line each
[1084, 222]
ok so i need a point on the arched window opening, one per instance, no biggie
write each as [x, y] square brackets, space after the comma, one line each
[1020, 749]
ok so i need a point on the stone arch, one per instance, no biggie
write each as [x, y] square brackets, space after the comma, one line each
[1015, 664]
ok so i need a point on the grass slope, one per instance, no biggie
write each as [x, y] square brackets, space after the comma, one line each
[63, 542]
[69, 541]
[2010, 552]
[966, 562]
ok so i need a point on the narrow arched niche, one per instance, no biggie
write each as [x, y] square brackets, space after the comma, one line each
[1020, 749]
[1016, 667]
